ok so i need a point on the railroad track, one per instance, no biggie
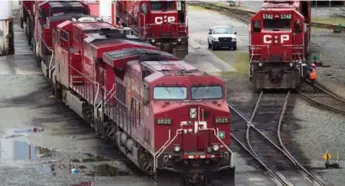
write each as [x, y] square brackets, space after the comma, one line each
[245, 15]
[323, 98]
[260, 137]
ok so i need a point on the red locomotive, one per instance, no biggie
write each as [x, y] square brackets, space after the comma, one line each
[162, 113]
[48, 14]
[279, 44]
[162, 23]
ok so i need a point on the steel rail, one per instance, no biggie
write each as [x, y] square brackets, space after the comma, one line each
[327, 92]
[250, 149]
[311, 177]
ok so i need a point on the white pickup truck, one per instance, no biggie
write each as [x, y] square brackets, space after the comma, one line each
[222, 36]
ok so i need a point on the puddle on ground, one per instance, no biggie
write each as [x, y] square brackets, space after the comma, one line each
[21, 150]
[14, 151]
[15, 133]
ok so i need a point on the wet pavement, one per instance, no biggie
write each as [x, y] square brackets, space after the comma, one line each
[45, 143]
[200, 20]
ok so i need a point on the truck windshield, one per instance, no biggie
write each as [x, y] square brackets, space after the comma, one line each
[207, 92]
[170, 93]
[277, 25]
[222, 30]
[165, 5]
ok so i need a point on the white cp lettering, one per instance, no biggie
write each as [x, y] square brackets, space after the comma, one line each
[164, 19]
[198, 125]
[268, 39]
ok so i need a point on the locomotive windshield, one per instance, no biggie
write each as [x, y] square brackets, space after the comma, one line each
[276, 22]
[207, 92]
[163, 5]
[170, 93]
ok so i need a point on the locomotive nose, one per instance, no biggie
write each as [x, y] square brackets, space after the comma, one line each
[199, 130]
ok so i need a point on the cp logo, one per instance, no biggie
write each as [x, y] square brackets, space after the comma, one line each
[164, 19]
[268, 39]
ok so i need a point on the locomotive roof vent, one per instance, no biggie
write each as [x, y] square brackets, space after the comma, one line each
[85, 19]
[111, 33]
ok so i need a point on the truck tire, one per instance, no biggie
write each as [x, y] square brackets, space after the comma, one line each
[213, 47]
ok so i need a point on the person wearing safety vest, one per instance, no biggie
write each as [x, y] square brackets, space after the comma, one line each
[312, 75]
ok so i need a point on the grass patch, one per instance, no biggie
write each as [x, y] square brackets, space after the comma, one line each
[238, 60]
[242, 63]
[329, 20]
[196, 8]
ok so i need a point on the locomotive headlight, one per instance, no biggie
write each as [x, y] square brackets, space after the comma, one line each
[260, 64]
[291, 64]
[152, 40]
[215, 147]
[177, 148]
[209, 149]
[192, 113]
[179, 40]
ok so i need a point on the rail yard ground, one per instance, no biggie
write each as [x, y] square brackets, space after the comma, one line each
[47, 157]
[310, 131]
[66, 142]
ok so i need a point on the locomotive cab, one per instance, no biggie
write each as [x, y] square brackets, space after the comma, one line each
[276, 48]
[49, 15]
[162, 23]
[191, 120]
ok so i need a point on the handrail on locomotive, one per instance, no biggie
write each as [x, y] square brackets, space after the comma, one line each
[296, 55]
[185, 131]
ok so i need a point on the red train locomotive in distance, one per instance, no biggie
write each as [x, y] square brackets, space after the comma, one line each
[48, 14]
[163, 113]
[279, 44]
[162, 23]
[27, 18]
